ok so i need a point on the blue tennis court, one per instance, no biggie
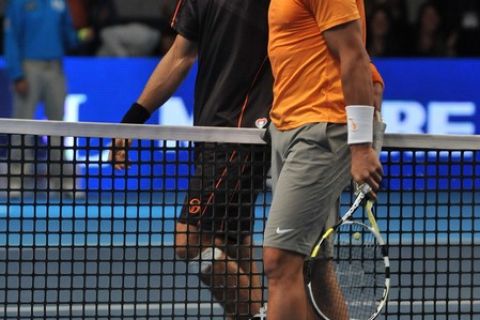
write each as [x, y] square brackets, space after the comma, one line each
[103, 219]
[437, 229]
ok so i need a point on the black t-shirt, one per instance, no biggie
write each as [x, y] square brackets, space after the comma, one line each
[234, 79]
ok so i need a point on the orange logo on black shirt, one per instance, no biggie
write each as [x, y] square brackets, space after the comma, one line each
[194, 206]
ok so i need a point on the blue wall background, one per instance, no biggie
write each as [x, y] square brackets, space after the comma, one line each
[430, 96]
[102, 89]
[435, 96]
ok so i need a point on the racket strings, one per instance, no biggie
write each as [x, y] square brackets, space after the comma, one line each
[360, 270]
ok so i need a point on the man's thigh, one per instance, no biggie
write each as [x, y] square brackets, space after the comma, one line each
[314, 171]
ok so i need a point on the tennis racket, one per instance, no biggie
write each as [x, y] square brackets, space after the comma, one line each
[348, 271]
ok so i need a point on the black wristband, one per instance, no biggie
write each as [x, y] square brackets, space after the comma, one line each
[136, 114]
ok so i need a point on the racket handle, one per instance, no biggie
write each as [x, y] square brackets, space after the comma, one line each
[364, 188]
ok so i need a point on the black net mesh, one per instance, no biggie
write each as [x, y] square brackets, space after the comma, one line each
[80, 240]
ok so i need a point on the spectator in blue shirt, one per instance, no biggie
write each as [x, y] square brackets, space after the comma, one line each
[37, 35]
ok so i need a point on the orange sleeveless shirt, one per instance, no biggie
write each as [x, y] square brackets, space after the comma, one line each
[307, 86]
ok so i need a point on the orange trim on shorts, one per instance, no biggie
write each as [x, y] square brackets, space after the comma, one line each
[194, 206]
[218, 183]
[237, 186]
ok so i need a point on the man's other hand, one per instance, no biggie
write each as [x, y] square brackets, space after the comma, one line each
[366, 167]
[118, 154]
[21, 87]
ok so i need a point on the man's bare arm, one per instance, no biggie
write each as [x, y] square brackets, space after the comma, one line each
[345, 44]
[169, 73]
[163, 82]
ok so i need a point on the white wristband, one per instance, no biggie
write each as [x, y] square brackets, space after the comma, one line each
[360, 124]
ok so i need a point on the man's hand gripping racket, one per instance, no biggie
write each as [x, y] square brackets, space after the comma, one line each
[348, 272]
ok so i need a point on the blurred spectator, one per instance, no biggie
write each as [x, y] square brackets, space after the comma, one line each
[128, 40]
[79, 12]
[383, 39]
[81, 22]
[37, 35]
[468, 31]
[151, 20]
[397, 10]
[101, 13]
[429, 38]
[96, 15]
[121, 37]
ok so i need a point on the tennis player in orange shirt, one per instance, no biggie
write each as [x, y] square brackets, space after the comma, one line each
[323, 76]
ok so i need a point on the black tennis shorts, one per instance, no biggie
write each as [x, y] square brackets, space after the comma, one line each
[223, 188]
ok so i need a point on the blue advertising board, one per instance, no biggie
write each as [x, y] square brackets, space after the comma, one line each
[437, 96]
[101, 90]
[422, 96]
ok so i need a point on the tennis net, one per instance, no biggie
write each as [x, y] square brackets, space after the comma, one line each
[80, 240]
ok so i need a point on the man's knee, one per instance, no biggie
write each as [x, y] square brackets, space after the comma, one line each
[181, 252]
[203, 263]
[187, 241]
[186, 247]
[280, 263]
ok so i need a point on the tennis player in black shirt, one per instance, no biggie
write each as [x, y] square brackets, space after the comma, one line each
[233, 88]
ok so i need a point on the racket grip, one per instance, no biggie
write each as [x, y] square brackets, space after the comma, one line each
[364, 188]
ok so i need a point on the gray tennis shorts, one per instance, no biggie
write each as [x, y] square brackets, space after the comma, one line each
[310, 169]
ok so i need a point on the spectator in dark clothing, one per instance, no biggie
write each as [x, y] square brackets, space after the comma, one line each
[383, 39]
[96, 14]
[468, 31]
[429, 38]
[126, 37]
[397, 8]
[133, 39]
[79, 13]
